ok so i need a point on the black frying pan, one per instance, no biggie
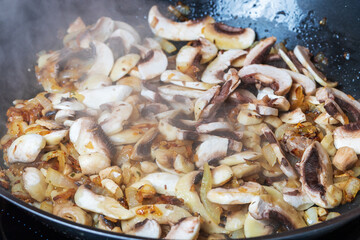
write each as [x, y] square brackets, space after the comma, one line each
[27, 27]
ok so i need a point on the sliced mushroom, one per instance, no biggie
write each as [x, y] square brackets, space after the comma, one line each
[181, 91]
[294, 117]
[153, 65]
[179, 103]
[123, 65]
[261, 109]
[214, 72]
[171, 132]
[164, 183]
[93, 163]
[348, 136]
[55, 137]
[302, 55]
[221, 175]
[107, 206]
[208, 49]
[203, 102]
[273, 100]
[94, 98]
[114, 116]
[241, 157]
[213, 126]
[334, 110]
[187, 228]
[147, 228]
[227, 37]
[345, 158]
[277, 211]
[177, 31]
[34, 183]
[142, 147]
[104, 60]
[244, 194]
[69, 104]
[297, 198]
[186, 58]
[258, 53]
[256, 228]
[121, 40]
[308, 84]
[73, 213]
[102, 29]
[211, 149]
[25, 148]
[243, 170]
[285, 165]
[267, 76]
[93, 81]
[175, 75]
[88, 137]
[316, 177]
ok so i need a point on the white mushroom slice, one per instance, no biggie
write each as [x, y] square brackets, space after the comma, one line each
[25, 148]
[182, 91]
[241, 157]
[267, 76]
[227, 37]
[348, 136]
[104, 60]
[55, 137]
[202, 102]
[297, 198]
[93, 163]
[324, 119]
[128, 136]
[302, 55]
[208, 50]
[153, 65]
[162, 213]
[86, 199]
[125, 38]
[174, 75]
[193, 85]
[285, 165]
[213, 126]
[114, 116]
[164, 183]
[221, 175]
[261, 109]
[127, 27]
[147, 228]
[293, 117]
[63, 115]
[244, 194]
[93, 81]
[173, 133]
[187, 228]
[244, 169]
[186, 57]
[258, 53]
[102, 29]
[256, 228]
[345, 158]
[317, 177]
[34, 183]
[142, 149]
[214, 72]
[211, 149]
[69, 104]
[149, 95]
[279, 102]
[95, 97]
[123, 65]
[266, 207]
[235, 219]
[177, 31]
[249, 117]
[88, 137]
[308, 84]
[192, 200]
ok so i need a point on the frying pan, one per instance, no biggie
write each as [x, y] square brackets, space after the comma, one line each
[27, 27]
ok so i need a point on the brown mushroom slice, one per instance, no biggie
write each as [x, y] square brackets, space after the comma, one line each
[213, 148]
[213, 126]
[258, 53]
[308, 84]
[203, 102]
[267, 76]
[227, 37]
[285, 165]
[88, 137]
[142, 148]
[171, 132]
[187, 228]
[242, 96]
[317, 177]
[152, 65]
[181, 91]
[147, 228]
[334, 110]
[277, 211]
[243, 194]
[348, 136]
[214, 72]
[114, 116]
[349, 105]
[279, 102]
[302, 55]
[176, 31]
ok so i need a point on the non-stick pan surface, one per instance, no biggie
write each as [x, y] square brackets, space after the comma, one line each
[27, 27]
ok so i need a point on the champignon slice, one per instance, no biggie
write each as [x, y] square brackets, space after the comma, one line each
[164, 183]
[104, 60]
[297, 198]
[345, 158]
[334, 110]
[55, 137]
[187, 228]
[258, 53]
[154, 63]
[186, 58]
[76, 26]
[121, 40]
[241, 157]
[168, 128]
[308, 84]
[203, 102]
[227, 37]
[214, 72]
[211, 149]
[179, 103]
[267, 96]
[177, 31]
[69, 104]
[349, 105]
[123, 65]
[102, 29]
[261, 109]
[267, 76]
[285, 165]
[34, 183]
[294, 117]
[147, 228]
[93, 163]
[88, 137]
[25, 148]
[277, 211]
[181, 91]
[142, 147]
[242, 96]
[348, 136]
[93, 98]
[303, 55]
[213, 126]
[175, 75]
[317, 177]
[208, 49]
[88, 200]
[244, 194]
